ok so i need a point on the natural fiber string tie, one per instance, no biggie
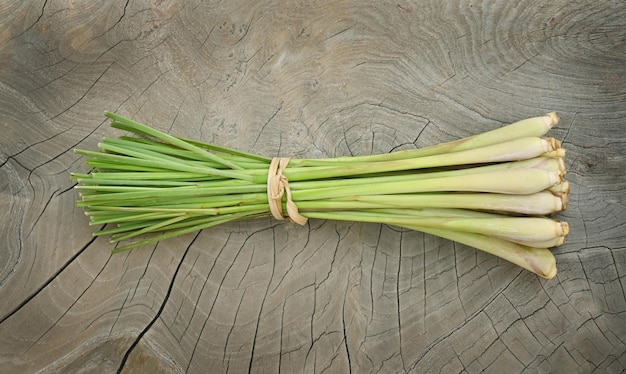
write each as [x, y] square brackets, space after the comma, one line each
[277, 187]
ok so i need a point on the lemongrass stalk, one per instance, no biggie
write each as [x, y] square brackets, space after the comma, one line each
[539, 203]
[435, 212]
[514, 150]
[509, 228]
[531, 127]
[541, 163]
[540, 261]
[525, 181]
[554, 242]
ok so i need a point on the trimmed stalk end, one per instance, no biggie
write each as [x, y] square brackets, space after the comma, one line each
[562, 166]
[554, 144]
[559, 203]
[559, 241]
[564, 200]
[555, 178]
[542, 262]
[560, 152]
[551, 119]
[560, 188]
[551, 274]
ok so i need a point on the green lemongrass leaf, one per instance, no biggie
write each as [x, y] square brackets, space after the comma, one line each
[121, 188]
[185, 230]
[80, 176]
[190, 221]
[131, 182]
[231, 151]
[122, 210]
[134, 126]
[151, 228]
[174, 153]
[168, 192]
[160, 165]
[172, 163]
[227, 153]
[127, 226]
[100, 219]
[161, 150]
[102, 167]
[168, 176]
[245, 162]
[195, 202]
[105, 161]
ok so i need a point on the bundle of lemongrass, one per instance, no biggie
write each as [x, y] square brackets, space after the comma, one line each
[493, 191]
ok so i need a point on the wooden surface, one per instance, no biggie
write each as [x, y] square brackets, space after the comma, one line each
[306, 79]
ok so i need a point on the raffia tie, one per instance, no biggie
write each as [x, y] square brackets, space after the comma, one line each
[277, 187]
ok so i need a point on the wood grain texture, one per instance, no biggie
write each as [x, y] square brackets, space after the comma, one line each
[306, 79]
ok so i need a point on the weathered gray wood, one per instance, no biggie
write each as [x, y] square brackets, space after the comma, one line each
[306, 79]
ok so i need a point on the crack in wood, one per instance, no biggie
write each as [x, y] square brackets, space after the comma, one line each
[47, 282]
[157, 315]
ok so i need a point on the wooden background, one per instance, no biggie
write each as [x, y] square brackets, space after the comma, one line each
[306, 79]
